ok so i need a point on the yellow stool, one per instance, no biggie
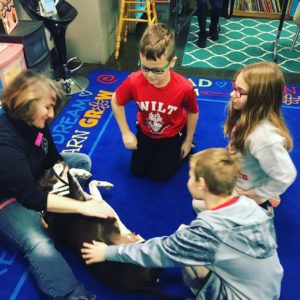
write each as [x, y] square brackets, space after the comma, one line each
[126, 8]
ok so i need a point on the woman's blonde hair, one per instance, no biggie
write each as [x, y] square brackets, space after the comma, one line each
[20, 96]
[218, 167]
[156, 41]
[265, 94]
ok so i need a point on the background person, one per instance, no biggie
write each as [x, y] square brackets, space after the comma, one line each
[227, 252]
[26, 151]
[167, 108]
[202, 13]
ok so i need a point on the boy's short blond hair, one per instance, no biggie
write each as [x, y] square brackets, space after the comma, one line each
[218, 167]
[157, 40]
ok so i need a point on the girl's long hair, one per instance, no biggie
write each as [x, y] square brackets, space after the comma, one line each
[265, 94]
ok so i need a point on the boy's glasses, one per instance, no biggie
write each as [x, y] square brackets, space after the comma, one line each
[155, 71]
[238, 91]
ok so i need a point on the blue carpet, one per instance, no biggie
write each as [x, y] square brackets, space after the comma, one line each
[87, 125]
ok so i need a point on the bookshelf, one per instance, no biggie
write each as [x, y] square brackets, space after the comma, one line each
[270, 9]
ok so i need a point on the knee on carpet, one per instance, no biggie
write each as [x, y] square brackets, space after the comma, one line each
[160, 176]
[138, 172]
[155, 176]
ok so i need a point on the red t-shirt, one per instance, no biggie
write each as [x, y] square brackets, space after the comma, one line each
[161, 111]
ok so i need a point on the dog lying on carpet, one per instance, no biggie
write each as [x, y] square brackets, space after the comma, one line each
[74, 229]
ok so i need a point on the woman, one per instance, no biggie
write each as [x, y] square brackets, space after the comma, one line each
[258, 133]
[26, 151]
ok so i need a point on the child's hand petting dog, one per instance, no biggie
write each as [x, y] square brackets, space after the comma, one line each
[93, 253]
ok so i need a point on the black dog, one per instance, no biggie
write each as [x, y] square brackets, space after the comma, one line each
[74, 229]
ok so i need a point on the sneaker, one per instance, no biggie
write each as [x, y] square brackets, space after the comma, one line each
[202, 39]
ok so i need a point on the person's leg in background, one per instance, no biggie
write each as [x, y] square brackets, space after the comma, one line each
[202, 12]
[216, 8]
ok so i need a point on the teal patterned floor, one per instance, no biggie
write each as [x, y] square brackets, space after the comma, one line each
[243, 41]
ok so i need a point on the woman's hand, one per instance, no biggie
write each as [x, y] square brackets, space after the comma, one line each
[129, 140]
[91, 208]
[93, 253]
[95, 208]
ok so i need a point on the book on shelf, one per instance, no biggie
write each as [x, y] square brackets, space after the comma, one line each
[293, 7]
[270, 8]
[8, 15]
[264, 6]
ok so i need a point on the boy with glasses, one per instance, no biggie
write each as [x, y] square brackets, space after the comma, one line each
[167, 108]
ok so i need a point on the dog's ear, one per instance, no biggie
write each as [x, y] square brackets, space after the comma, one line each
[76, 191]
[52, 176]
[61, 169]
[47, 180]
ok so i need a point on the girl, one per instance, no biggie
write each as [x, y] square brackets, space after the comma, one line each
[258, 133]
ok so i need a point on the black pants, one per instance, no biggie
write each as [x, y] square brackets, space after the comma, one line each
[202, 12]
[157, 158]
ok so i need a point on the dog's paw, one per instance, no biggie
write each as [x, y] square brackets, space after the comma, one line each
[103, 184]
[80, 173]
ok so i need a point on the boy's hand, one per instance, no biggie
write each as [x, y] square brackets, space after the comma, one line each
[185, 149]
[129, 140]
[93, 253]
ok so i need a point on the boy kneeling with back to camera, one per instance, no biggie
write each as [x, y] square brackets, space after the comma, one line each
[227, 252]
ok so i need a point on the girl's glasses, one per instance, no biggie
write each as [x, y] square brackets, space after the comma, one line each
[155, 71]
[238, 91]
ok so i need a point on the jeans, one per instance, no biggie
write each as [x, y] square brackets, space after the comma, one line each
[202, 12]
[23, 229]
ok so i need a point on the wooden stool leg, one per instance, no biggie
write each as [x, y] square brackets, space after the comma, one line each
[126, 23]
[119, 31]
[155, 20]
[148, 11]
[125, 18]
